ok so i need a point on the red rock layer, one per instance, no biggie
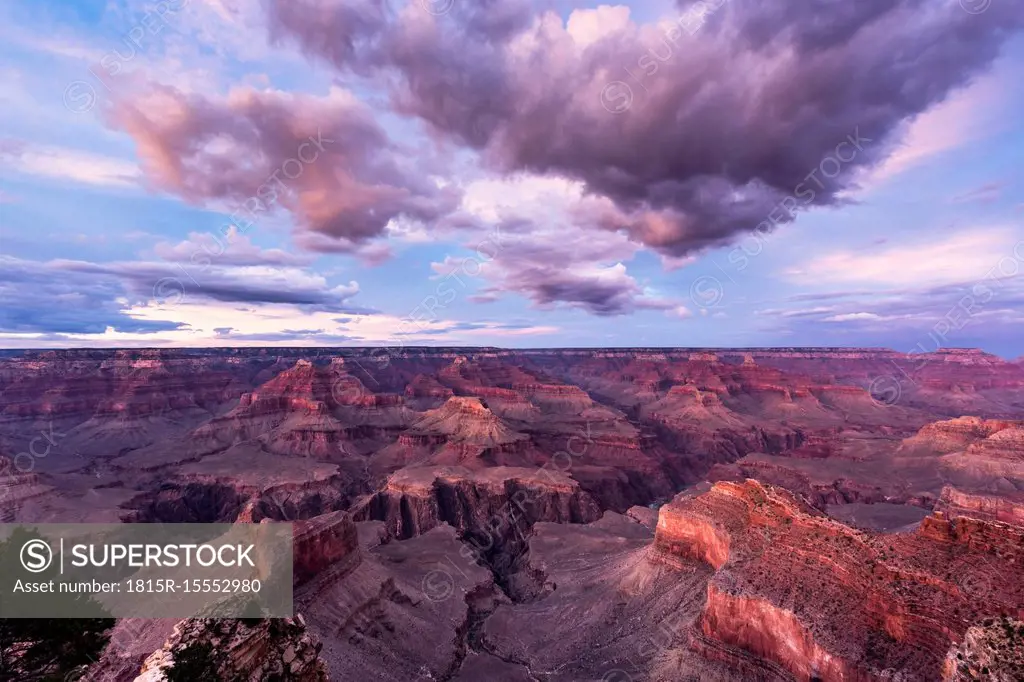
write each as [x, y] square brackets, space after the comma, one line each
[1008, 509]
[414, 501]
[307, 409]
[130, 383]
[325, 543]
[831, 603]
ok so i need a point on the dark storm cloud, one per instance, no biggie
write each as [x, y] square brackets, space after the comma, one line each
[771, 107]
[615, 294]
[325, 159]
[603, 291]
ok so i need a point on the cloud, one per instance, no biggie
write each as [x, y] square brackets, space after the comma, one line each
[966, 116]
[38, 298]
[528, 237]
[70, 296]
[694, 139]
[232, 248]
[986, 193]
[481, 327]
[64, 303]
[847, 317]
[324, 159]
[960, 257]
[984, 309]
[288, 336]
[60, 163]
[599, 290]
[246, 284]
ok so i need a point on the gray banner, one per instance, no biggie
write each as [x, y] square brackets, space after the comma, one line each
[143, 570]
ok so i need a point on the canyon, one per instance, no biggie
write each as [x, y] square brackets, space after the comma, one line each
[829, 514]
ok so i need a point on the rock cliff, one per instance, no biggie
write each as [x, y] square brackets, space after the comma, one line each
[828, 602]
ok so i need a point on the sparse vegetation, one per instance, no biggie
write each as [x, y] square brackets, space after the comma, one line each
[44, 650]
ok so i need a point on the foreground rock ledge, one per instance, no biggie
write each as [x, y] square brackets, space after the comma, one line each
[253, 651]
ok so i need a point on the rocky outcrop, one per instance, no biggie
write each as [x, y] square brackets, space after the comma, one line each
[828, 602]
[423, 386]
[243, 650]
[986, 537]
[992, 651]
[297, 501]
[953, 435]
[69, 385]
[17, 488]
[465, 419]
[191, 502]
[416, 500]
[327, 544]
[309, 409]
[773, 633]
[979, 461]
[1006, 508]
[819, 492]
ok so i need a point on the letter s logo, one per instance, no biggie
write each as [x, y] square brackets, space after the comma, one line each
[36, 556]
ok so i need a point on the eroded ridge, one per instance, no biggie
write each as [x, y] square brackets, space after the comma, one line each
[833, 603]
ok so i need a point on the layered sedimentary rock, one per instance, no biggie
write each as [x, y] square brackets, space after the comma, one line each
[1005, 508]
[980, 463]
[416, 500]
[828, 602]
[423, 386]
[308, 409]
[146, 383]
[953, 435]
[191, 502]
[17, 487]
[466, 420]
[327, 544]
[495, 495]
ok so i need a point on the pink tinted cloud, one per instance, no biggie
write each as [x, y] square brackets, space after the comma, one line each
[324, 159]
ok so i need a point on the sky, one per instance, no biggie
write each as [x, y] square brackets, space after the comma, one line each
[516, 173]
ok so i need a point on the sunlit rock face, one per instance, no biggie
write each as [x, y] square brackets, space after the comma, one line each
[825, 601]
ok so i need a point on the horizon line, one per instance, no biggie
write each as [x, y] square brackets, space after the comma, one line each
[949, 349]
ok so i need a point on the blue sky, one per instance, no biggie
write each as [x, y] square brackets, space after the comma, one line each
[513, 174]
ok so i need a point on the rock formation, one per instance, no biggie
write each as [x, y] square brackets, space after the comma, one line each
[325, 547]
[416, 500]
[242, 651]
[993, 650]
[557, 514]
[828, 602]
[465, 420]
